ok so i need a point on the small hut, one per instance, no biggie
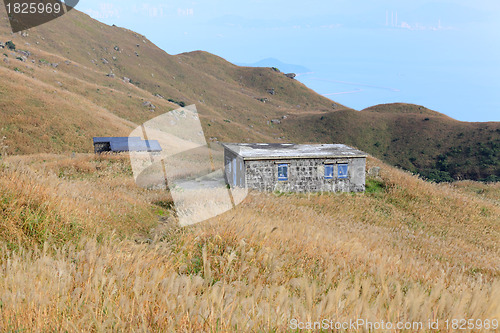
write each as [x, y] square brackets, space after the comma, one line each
[125, 144]
[291, 167]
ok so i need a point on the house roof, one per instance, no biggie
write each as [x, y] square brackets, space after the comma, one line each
[134, 143]
[142, 145]
[100, 139]
[261, 151]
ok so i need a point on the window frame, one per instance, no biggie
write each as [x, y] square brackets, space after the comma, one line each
[287, 167]
[329, 166]
[345, 176]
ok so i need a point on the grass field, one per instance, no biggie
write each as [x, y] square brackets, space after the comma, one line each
[83, 250]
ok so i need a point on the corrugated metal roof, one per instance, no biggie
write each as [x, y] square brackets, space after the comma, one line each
[135, 143]
[143, 145]
[100, 139]
[258, 151]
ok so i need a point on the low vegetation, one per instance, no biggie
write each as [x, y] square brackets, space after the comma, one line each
[85, 250]
[10, 45]
[411, 137]
[180, 103]
[63, 198]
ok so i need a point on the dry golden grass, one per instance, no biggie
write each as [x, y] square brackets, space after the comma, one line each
[490, 191]
[406, 251]
[58, 198]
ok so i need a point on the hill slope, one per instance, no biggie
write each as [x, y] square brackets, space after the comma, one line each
[55, 95]
[70, 57]
[406, 250]
[412, 137]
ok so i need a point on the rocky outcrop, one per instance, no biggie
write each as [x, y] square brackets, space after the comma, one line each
[149, 105]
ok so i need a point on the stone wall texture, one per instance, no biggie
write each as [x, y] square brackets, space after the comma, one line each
[304, 175]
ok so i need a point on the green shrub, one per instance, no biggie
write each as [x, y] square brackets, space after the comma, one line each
[374, 186]
[10, 45]
[180, 103]
[437, 175]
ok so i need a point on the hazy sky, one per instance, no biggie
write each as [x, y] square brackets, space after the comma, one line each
[441, 54]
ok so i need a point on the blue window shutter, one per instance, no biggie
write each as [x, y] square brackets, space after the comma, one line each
[342, 170]
[282, 171]
[328, 171]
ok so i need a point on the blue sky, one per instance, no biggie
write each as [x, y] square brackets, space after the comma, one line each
[441, 54]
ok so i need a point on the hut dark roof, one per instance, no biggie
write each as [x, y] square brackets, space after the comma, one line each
[134, 143]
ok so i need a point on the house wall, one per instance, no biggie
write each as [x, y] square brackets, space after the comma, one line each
[305, 175]
[234, 169]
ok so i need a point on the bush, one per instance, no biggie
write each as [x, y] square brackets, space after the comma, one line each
[491, 179]
[180, 103]
[374, 186]
[437, 175]
[10, 45]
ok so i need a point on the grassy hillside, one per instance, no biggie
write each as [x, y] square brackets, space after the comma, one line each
[70, 58]
[92, 252]
[412, 137]
[55, 95]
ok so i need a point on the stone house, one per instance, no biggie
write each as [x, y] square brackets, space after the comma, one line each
[290, 167]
